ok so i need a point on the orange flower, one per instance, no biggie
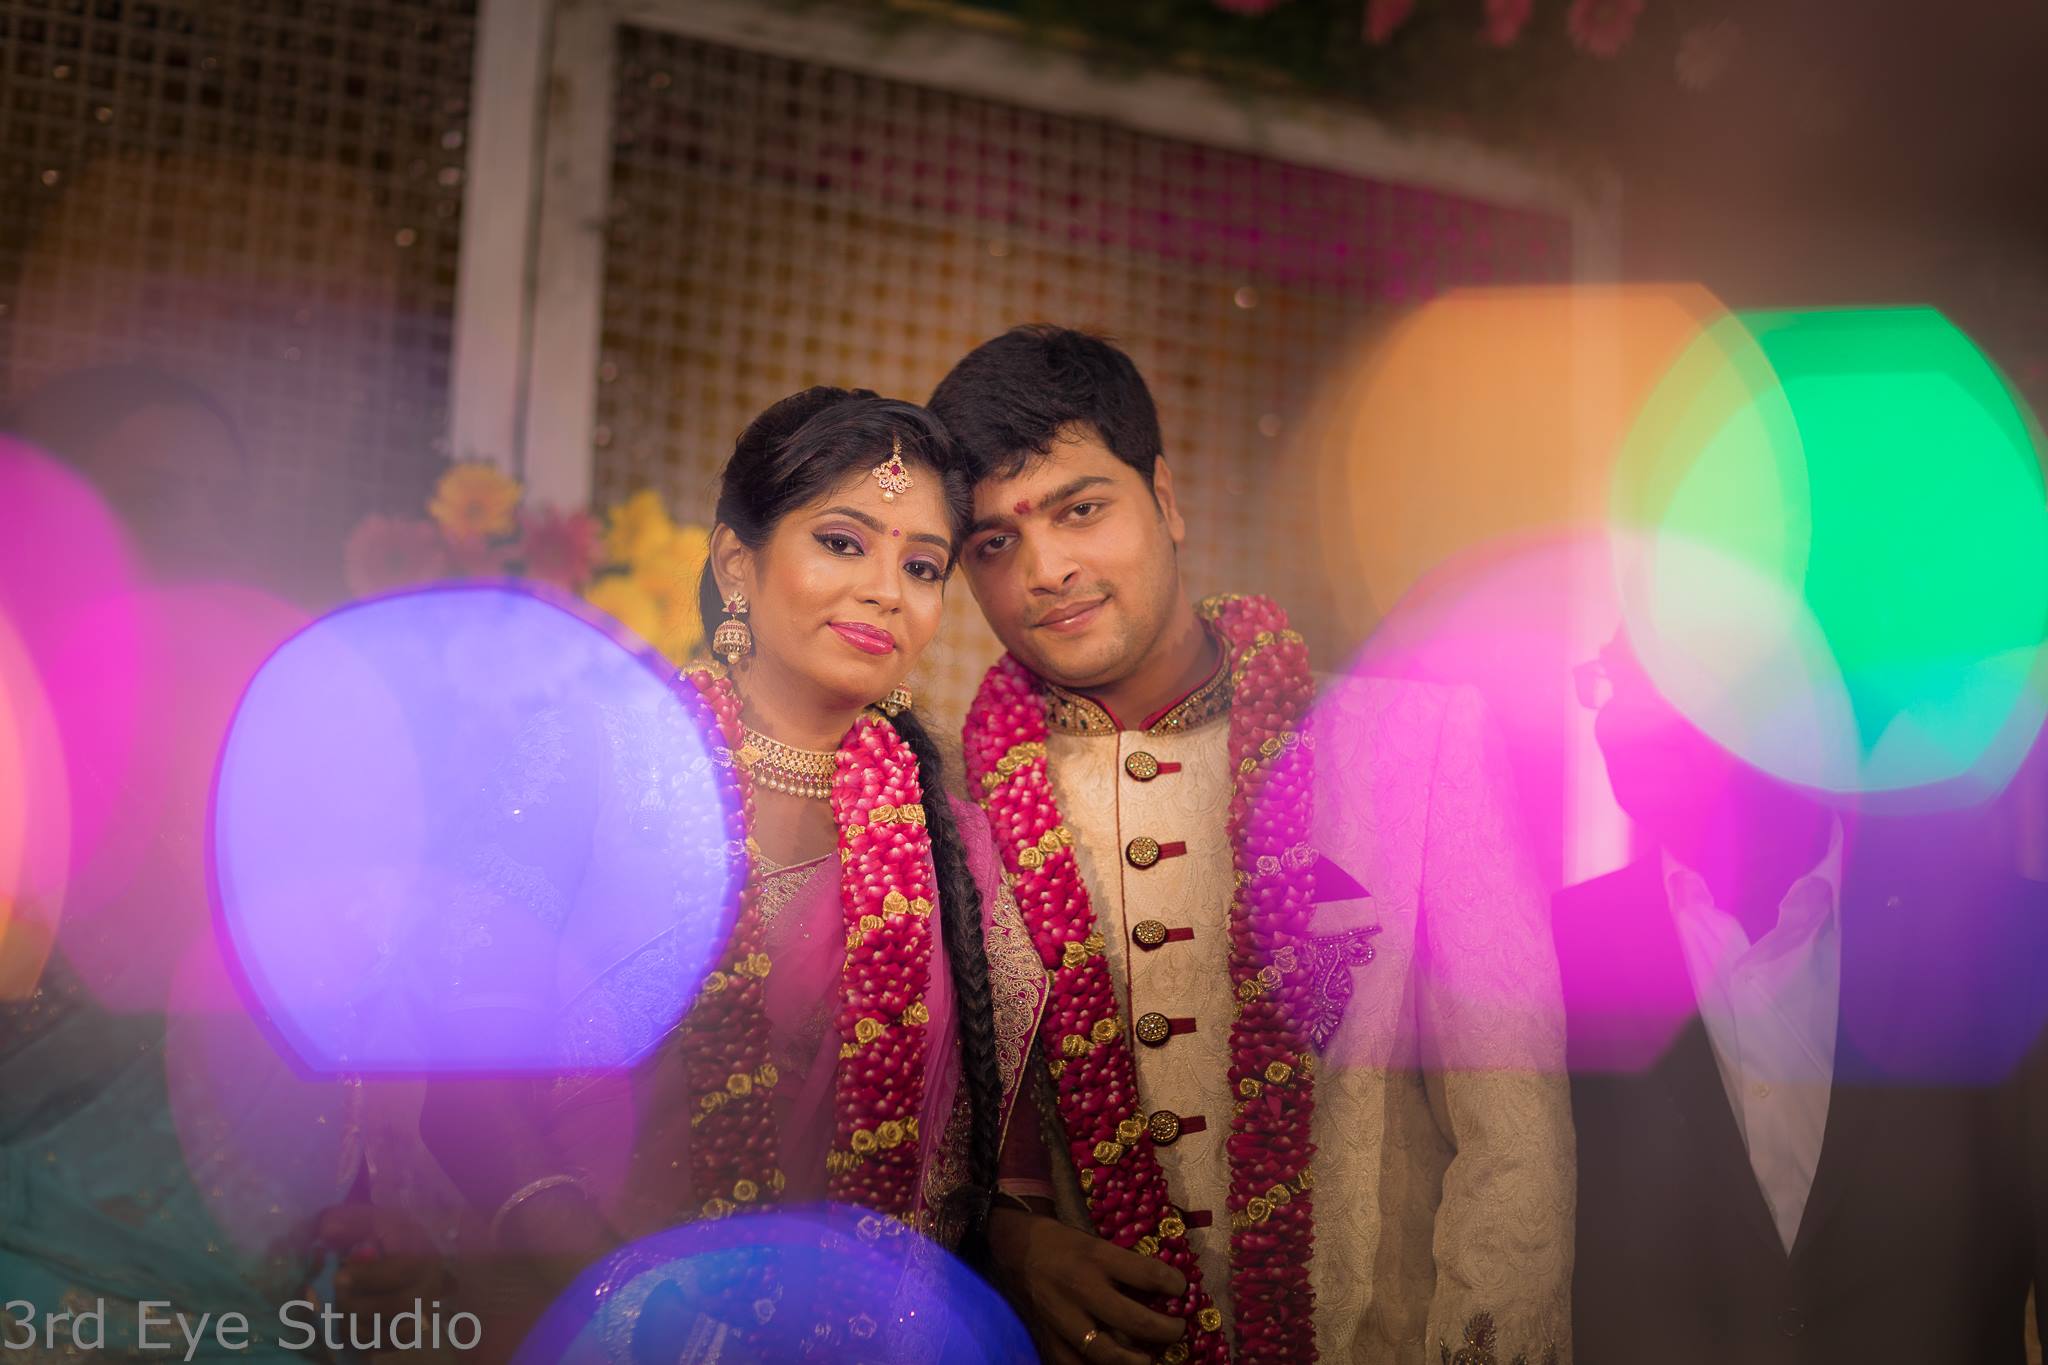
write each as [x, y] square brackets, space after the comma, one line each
[475, 501]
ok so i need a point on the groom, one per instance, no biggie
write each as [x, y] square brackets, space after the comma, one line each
[1303, 1060]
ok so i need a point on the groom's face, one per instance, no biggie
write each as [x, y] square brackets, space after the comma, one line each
[1073, 561]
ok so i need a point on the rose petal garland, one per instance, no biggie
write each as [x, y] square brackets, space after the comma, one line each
[1272, 1070]
[1087, 1043]
[888, 890]
[887, 886]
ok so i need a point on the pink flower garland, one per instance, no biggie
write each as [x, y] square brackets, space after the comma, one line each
[888, 886]
[1087, 1043]
[1272, 1070]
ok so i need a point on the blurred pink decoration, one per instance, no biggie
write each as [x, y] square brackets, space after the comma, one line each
[67, 583]
[560, 547]
[393, 552]
[1603, 27]
[1706, 52]
[1383, 17]
[139, 899]
[1505, 20]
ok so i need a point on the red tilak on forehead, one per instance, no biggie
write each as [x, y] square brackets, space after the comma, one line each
[895, 530]
[1023, 507]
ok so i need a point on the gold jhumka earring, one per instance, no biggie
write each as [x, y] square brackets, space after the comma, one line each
[732, 641]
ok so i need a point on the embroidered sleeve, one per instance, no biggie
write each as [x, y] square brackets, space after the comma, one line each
[1016, 981]
[1491, 1020]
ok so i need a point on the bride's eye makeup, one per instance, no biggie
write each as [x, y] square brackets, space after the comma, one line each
[845, 542]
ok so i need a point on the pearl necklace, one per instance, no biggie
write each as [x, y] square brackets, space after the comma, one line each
[784, 768]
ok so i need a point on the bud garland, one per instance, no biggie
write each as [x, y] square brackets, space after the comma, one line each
[1086, 1043]
[1272, 1233]
[888, 885]
[888, 891]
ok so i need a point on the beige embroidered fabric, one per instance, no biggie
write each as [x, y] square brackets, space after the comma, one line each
[1444, 1179]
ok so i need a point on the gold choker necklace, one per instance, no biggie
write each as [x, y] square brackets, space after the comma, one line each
[783, 768]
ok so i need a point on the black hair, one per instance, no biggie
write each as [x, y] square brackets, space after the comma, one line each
[806, 445]
[1010, 398]
[796, 451]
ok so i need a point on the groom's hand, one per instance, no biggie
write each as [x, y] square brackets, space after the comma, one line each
[1067, 1283]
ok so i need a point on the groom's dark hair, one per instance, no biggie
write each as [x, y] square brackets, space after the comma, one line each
[1010, 398]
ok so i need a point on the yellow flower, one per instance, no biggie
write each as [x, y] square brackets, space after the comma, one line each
[637, 529]
[475, 501]
[670, 577]
[673, 567]
[626, 602]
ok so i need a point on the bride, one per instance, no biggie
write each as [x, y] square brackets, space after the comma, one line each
[861, 1036]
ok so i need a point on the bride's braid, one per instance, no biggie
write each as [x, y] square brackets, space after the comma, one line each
[960, 917]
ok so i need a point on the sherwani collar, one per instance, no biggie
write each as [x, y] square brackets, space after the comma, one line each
[1069, 713]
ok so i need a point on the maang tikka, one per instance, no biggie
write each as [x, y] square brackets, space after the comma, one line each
[891, 473]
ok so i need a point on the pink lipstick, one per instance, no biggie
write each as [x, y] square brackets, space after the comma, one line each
[867, 639]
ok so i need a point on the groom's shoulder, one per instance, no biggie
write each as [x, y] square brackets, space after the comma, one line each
[1384, 739]
[1348, 704]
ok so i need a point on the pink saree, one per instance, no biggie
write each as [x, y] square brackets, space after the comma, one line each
[630, 1134]
[807, 940]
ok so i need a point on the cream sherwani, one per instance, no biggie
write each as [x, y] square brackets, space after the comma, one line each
[1444, 1176]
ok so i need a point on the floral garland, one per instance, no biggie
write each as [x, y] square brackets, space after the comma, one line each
[1271, 1070]
[887, 888]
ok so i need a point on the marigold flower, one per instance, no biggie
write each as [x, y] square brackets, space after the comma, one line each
[475, 501]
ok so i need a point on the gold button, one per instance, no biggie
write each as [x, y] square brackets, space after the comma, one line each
[1142, 766]
[1148, 933]
[1154, 1029]
[1142, 851]
[1164, 1125]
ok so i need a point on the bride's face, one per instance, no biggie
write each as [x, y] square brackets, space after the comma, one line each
[849, 589]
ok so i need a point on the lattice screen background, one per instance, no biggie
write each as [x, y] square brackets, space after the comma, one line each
[262, 197]
[780, 223]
